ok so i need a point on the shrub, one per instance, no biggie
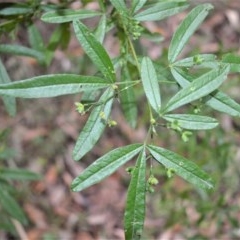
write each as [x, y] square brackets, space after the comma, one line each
[196, 80]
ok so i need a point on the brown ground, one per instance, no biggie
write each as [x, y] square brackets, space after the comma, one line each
[43, 135]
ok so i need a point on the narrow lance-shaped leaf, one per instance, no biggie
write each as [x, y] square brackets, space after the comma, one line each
[68, 15]
[22, 51]
[150, 83]
[216, 100]
[137, 4]
[120, 6]
[59, 37]
[135, 205]
[9, 204]
[191, 121]
[223, 103]
[95, 125]
[35, 38]
[94, 50]
[65, 36]
[182, 167]
[55, 39]
[101, 29]
[9, 102]
[53, 44]
[18, 174]
[52, 86]
[233, 60]
[16, 9]
[200, 87]
[201, 61]
[105, 166]
[186, 29]
[160, 11]
[127, 98]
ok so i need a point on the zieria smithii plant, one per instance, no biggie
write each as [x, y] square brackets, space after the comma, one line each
[197, 79]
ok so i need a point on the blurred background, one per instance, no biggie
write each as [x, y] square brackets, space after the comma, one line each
[42, 135]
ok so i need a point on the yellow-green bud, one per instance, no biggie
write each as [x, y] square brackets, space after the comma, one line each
[185, 136]
[170, 172]
[115, 87]
[80, 107]
[152, 121]
[112, 123]
[152, 181]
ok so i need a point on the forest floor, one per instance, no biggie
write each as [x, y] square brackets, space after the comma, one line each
[43, 133]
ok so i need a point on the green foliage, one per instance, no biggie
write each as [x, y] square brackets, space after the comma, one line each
[52, 85]
[186, 29]
[67, 15]
[159, 11]
[135, 207]
[198, 77]
[9, 207]
[93, 129]
[9, 102]
[150, 84]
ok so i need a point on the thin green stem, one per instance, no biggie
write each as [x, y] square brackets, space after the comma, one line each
[134, 82]
[133, 53]
[131, 85]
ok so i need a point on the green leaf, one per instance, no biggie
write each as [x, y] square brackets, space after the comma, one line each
[223, 103]
[218, 100]
[94, 50]
[9, 204]
[160, 11]
[192, 122]
[182, 167]
[54, 40]
[163, 73]
[59, 37]
[201, 60]
[135, 206]
[6, 224]
[18, 174]
[68, 15]
[233, 60]
[35, 38]
[52, 86]
[22, 51]
[128, 99]
[200, 87]
[182, 78]
[101, 29]
[137, 4]
[186, 29]
[65, 35]
[150, 83]
[95, 126]
[105, 166]
[120, 6]
[17, 9]
[9, 102]
[4, 185]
